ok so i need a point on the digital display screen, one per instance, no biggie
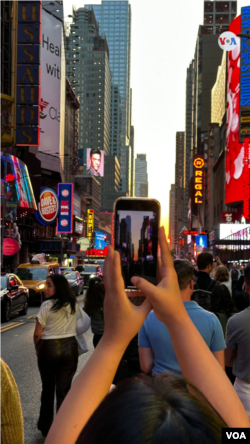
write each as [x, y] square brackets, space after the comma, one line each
[201, 240]
[136, 239]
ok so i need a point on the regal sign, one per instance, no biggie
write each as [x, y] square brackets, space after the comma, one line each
[198, 179]
[28, 73]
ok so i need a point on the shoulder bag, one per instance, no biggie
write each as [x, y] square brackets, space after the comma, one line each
[82, 325]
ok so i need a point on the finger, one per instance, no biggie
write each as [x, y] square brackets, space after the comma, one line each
[107, 272]
[117, 280]
[145, 308]
[143, 285]
[165, 253]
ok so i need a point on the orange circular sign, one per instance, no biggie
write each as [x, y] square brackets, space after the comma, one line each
[199, 162]
[10, 247]
[48, 205]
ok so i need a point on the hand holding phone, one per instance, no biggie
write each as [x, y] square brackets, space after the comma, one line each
[136, 237]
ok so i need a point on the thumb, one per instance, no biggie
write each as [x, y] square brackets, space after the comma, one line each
[143, 285]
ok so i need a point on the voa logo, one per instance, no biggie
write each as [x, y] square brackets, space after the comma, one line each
[236, 435]
[227, 41]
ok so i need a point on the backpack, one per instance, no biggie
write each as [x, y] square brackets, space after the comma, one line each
[203, 297]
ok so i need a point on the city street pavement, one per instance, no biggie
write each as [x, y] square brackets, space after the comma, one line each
[19, 353]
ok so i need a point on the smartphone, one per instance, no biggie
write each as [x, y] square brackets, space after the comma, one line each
[136, 225]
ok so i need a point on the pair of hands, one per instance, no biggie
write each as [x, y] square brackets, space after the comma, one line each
[122, 319]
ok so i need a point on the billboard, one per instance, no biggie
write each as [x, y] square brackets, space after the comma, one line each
[50, 84]
[48, 206]
[201, 240]
[65, 213]
[235, 149]
[95, 162]
[28, 73]
[100, 240]
[244, 76]
[227, 229]
[90, 223]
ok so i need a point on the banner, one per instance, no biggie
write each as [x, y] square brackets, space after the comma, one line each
[65, 214]
[50, 84]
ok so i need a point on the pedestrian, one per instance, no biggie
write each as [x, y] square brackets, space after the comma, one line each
[222, 275]
[94, 307]
[204, 281]
[11, 409]
[240, 296]
[223, 307]
[152, 410]
[56, 345]
[156, 349]
[237, 353]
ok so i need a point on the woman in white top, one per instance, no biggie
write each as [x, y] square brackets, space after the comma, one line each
[56, 346]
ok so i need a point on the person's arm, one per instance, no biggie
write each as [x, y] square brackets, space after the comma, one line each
[230, 355]
[122, 321]
[146, 359]
[37, 334]
[196, 361]
[219, 355]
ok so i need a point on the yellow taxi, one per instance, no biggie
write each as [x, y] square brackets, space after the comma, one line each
[33, 276]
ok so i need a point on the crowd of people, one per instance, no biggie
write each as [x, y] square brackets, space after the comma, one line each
[187, 343]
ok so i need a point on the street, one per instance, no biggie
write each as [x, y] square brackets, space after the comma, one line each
[19, 353]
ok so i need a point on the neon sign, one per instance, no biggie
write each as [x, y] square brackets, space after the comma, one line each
[198, 179]
[90, 224]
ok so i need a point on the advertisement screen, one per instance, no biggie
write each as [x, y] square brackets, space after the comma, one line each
[100, 240]
[50, 84]
[227, 229]
[201, 240]
[235, 149]
[95, 162]
[136, 241]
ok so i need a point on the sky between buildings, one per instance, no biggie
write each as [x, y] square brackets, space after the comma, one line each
[162, 46]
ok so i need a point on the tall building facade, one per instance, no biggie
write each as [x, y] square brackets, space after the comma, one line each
[114, 19]
[88, 68]
[141, 176]
[172, 217]
[179, 182]
[188, 139]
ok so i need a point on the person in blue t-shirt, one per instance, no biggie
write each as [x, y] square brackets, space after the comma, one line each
[156, 350]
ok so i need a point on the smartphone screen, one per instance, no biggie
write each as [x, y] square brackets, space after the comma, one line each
[136, 238]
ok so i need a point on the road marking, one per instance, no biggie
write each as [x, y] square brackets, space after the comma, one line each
[29, 317]
[8, 325]
[13, 326]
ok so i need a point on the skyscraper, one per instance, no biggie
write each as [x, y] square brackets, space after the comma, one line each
[141, 176]
[114, 19]
[88, 68]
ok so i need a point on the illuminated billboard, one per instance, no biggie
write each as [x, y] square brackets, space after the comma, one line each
[95, 162]
[197, 191]
[50, 84]
[90, 223]
[245, 76]
[235, 149]
[201, 240]
[227, 229]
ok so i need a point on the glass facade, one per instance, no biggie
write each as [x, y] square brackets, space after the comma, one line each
[114, 18]
[141, 176]
[89, 72]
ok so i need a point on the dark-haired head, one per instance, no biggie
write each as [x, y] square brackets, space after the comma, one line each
[205, 260]
[247, 279]
[63, 293]
[234, 275]
[221, 300]
[149, 410]
[94, 151]
[94, 296]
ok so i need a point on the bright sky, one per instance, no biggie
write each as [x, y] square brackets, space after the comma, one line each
[162, 46]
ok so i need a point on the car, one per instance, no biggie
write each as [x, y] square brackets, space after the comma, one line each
[66, 269]
[101, 263]
[76, 281]
[34, 275]
[14, 296]
[90, 271]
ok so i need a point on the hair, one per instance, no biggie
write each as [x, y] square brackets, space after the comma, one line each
[247, 275]
[153, 410]
[185, 272]
[221, 274]
[234, 275]
[203, 260]
[94, 151]
[221, 300]
[63, 295]
[95, 296]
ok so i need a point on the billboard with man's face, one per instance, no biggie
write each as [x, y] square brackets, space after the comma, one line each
[95, 162]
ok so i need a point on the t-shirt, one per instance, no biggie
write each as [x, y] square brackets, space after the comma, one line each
[155, 335]
[59, 324]
[238, 337]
